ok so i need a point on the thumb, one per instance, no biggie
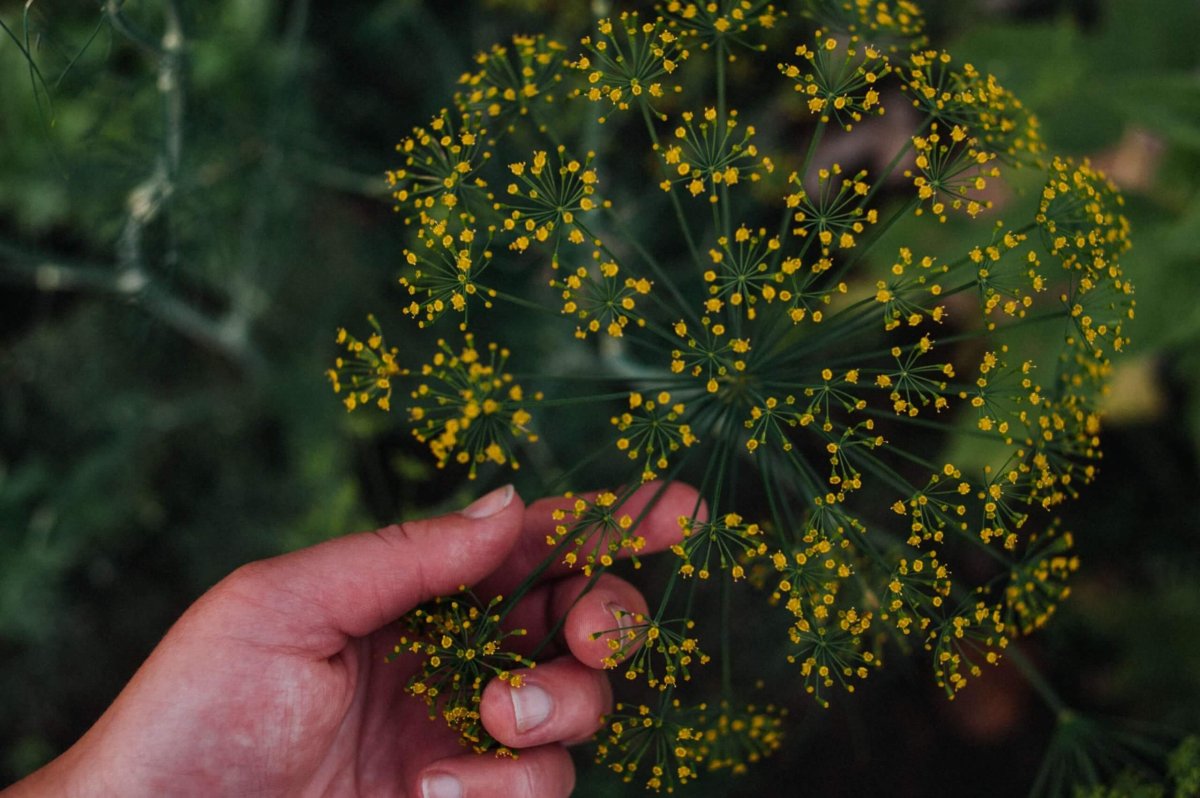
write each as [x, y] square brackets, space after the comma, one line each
[354, 585]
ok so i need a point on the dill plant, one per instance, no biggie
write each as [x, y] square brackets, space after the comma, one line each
[864, 402]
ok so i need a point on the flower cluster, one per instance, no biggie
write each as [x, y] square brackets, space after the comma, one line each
[460, 647]
[440, 162]
[466, 408]
[898, 21]
[628, 62]
[367, 369]
[705, 157]
[726, 22]
[545, 199]
[729, 540]
[661, 652]
[596, 533]
[445, 269]
[839, 79]
[652, 431]
[512, 80]
[881, 417]
[682, 741]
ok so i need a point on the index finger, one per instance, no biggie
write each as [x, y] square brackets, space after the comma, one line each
[652, 511]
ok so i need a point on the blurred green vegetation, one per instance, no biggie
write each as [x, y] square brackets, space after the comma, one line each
[191, 201]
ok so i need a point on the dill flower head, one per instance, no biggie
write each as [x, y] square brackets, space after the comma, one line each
[883, 380]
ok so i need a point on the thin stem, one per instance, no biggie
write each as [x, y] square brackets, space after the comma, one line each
[786, 218]
[560, 483]
[78, 55]
[659, 272]
[47, 273]
[813, 142]
[879, 233]
[170, 83]
[726, 639]
[1038, 682]
[722, 55]
[679, 215]
[892, 164]
[570, 401]
[112, 10]
[252, 282]
[524, 303]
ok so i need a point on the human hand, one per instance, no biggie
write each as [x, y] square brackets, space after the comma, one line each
[275, 683]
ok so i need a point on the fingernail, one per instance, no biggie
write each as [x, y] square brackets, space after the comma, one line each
[531, 705]
[488, 505]
[441, 785]
[623, 617]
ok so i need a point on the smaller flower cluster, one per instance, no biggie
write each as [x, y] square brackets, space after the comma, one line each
[441, 162]
[839, 79]
[998, 122]
[709, 355]
[975, 633]
[829, 644]
[951, 169]
[877, 20]
[461, 647]
[596, 532]
[512, 81]
[467, 408]
[600, 298]
[916, 593]
[667, 736]
[832, 651]
[629, 59]
[741, 274]
[1039, 582]
[834, 215]
[707, 154]
[737, 736]
[444, 271]
[545, 200]
[724, 543]
[725, 22]
[368, 370]
[660, 651]
[1082, 225]
[670, 744]
[651, 430]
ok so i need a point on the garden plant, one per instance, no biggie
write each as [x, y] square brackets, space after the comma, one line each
[793, 254]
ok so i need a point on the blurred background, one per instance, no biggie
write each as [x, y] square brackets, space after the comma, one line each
[192, 201]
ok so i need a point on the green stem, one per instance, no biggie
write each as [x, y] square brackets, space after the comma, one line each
[659, 272]
[880, 231]
[522, 302]
[679, 215]
[571, 401]
[786, 217]
[1038, 682]
[722, 114]
[726, 640]
[562, 618]
[892, 164]
[559, 483]
[721, 55]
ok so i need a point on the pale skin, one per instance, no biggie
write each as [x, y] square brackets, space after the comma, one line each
[274, 683]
